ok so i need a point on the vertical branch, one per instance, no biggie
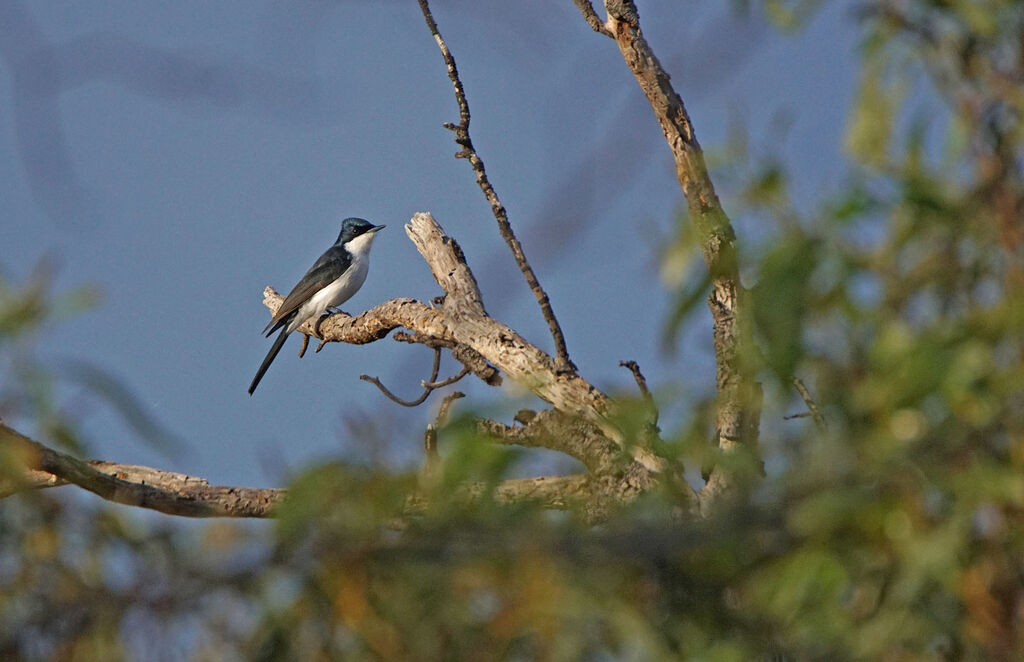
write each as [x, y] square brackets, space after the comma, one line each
[738, 406]
[462, 138]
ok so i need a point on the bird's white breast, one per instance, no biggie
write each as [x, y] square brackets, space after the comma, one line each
[342, 289]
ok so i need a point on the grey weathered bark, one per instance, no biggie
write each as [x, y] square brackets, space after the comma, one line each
[191, 496]
[462, 323]
[739, 396]
[131, 485]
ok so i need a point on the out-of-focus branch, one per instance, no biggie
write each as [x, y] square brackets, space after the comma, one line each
[570, 435]
[553, 492]
[190, 496]
[470, 359]
[430, 436]
[812, 406]
[738, 408]
[468, 152]
[131, 485]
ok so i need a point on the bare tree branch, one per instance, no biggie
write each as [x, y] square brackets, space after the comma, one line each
[812, 406]
[426, 391]
[468, 152]
[190, 496]
[591, 17]
[553, 492]
[641, 383]
[163, 491]
[428, 385]
[581, 425]
[739, 396]
[557, 492]
[430, 436]
[461, 321]
[467, 356]
[28, 479]
[566, 434]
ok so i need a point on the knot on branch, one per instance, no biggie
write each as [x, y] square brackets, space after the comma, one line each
[624, 11]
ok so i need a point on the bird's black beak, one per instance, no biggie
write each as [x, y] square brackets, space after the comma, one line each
[378, 228]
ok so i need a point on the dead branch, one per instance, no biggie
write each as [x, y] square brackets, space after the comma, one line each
[739, 396]
[461, 322]
[641, 383]
[427, 384]
[591, 17]
[131, 485]
[191, 496]
[812, 406]
[468, 357]
[468, 152]
[430, 436]
[581, 424]
[555, 431]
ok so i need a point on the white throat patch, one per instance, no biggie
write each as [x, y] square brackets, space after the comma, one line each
[360, 246]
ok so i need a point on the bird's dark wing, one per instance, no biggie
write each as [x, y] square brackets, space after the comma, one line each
[327, 269]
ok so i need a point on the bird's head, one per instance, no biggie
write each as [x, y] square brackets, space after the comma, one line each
[356, 227]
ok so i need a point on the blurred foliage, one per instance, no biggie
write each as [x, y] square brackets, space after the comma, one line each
[896, 532]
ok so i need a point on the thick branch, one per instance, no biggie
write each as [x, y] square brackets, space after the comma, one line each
[170, 493]
[461, 320]
[558, 432]
[189, 496]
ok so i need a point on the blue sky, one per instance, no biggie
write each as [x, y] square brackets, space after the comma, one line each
[182, 156]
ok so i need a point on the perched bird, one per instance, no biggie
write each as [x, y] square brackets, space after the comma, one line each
[330, 282]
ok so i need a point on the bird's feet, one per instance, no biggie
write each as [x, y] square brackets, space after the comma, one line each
[327, 313]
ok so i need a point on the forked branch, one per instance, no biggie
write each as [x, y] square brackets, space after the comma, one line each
[739, 396]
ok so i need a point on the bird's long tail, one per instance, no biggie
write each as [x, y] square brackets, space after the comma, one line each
[271, 355]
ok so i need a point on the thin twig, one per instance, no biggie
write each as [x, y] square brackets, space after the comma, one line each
[462, 138]
[426, 392]
[164, 491]
[812, 406]
[446, 382]
[429, 385]
[468, 357]
[641, 383]
[430, 436]
[592, 18]
[190, 496]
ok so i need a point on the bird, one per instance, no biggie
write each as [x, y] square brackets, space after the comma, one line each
[330, 282]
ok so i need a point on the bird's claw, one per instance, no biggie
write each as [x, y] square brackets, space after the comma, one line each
[320, 320]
